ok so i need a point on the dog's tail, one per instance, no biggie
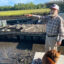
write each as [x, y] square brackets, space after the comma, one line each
[50, 61]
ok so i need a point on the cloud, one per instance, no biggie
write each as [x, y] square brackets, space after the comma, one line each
[12, 2]
[2, 2]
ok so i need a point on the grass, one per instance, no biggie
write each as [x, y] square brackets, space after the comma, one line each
[22, 12]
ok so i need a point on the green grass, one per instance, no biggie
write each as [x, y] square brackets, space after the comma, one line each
[22, 12]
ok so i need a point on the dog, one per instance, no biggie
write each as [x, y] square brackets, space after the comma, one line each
[51, 57]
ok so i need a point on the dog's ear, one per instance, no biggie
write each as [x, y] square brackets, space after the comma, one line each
[53, 53]
[57, 54]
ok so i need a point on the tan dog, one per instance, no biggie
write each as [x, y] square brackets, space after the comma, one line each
[51, 57]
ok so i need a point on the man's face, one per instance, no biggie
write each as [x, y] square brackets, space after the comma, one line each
[54, 11]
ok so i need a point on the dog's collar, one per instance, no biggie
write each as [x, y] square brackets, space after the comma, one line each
[52, 59]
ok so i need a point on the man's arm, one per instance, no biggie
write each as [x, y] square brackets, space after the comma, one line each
[38, 16]
[43, 18]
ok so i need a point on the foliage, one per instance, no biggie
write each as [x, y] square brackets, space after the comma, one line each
[22, 6]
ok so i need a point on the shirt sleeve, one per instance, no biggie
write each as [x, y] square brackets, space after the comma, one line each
[42, 17]
[61, 30]
[38, 16]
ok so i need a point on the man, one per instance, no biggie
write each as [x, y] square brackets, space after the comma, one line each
[54, 28]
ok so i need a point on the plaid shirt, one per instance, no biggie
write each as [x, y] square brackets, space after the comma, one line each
[52, 27]
[55, 26]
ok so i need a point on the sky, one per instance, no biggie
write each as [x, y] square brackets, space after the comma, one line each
[12, 2]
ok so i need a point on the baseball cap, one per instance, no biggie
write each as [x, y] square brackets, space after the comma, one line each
[55, 6]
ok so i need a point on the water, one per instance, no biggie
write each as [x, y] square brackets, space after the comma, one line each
[13, 51]
[24, 21]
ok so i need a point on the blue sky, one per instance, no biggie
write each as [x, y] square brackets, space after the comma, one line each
[12, 2]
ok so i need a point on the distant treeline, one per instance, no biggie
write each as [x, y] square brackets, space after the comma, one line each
[22, 6]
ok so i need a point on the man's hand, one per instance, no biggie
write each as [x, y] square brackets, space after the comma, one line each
[59, 43]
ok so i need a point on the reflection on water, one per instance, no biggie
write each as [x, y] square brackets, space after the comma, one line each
[25, 21]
